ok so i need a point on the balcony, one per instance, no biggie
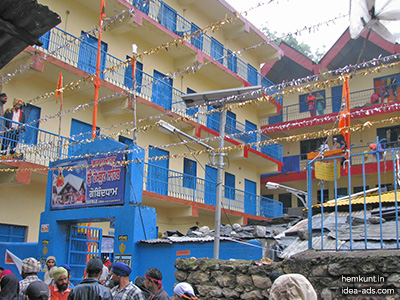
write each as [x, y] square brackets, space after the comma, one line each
[358, 99]
[183, 186]
[170, 19]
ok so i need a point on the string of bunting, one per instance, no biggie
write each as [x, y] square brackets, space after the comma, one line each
[227, 149]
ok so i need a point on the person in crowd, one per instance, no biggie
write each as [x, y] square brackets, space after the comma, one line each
[4, 273]
[9, 285]
[11, 136]
[152, 281]
[311, 104]
[30, 268]
[324, 146]
[66, 267]
[336, 144]
[60, 290]
[3, 100]
[124, 289]
[291, 286]
[184, 290]
[104, 274]
[374, 98]
[38, 290]
[91, 288]
[139, 282]
[50, 263]
[320, 104]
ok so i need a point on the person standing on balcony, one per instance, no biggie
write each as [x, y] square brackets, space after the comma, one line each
[311, 104]
[320, 103]
[13, 129]
[336, 144]
[3, 100]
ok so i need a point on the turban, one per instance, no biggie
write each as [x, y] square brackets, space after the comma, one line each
[58, 272]
[30, 265]
[121, 269]
[183, 288]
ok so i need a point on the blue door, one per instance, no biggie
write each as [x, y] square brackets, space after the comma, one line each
[193, 110]
[213, 118]
[229, 186]
[32, 116]
[303, 103]
[217, 50]
[251, 127]
[45, 39]
[252, 75]
[196, 40]
[157, 177]
[167, 18]
[162, 90]
[210, 186]
[232, 61]
[230, 125]
[190, 173]
[128, 79]
[250, 198]
[88, 54]
[336, 98]
[84, 242]
[80, 131]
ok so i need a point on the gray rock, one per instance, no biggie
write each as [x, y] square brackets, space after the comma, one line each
[198, 278]
[244, 280]
[226, 280]
[256, 294]
[261, 282]
[230, 294]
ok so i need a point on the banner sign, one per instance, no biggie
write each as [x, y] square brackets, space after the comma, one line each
[88, 182]
[326, 170]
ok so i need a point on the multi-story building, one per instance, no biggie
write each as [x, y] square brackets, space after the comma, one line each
[212, 56]
[374, 96]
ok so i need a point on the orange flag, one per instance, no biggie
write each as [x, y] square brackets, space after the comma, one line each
[344, 118]
[59, 87]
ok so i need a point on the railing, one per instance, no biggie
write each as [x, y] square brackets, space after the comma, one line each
[358, 99]
[175, 184]
[346, 224]
[36, 145]
[170, 19]
[147, 86]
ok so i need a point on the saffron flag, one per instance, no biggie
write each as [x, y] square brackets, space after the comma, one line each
[344, 118]
[59, 88]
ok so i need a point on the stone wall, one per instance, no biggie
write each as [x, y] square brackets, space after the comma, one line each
[334, 275]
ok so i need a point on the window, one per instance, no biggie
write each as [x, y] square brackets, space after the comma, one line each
[12, 233]
[325, 198]
[358, 189]
[286, 200]
[303, 100]
[341, 192]
[387, 88]
[309, 146]
[389, 136]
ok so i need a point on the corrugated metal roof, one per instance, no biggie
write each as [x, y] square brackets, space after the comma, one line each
[22, 23]
[372, 201]
[182, 239]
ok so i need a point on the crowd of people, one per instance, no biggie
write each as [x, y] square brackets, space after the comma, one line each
[115, 286]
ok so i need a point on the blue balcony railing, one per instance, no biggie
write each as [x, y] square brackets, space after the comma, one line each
[170, 19]
[358, 99]
[175, 184]
[36, 145]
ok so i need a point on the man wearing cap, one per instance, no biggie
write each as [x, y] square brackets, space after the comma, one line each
[11, 136]
[38, 290]
[30, 267]
[91, 288]
[152, 281]
[124, 289]
[336, 144]
[184, 290]
[60, 290]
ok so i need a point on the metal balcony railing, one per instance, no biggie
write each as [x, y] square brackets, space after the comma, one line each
[170, 19]
[358, 99]
[180, 185]
[36, 145]
[147, 87]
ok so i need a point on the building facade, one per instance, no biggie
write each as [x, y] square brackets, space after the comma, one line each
[182, 47]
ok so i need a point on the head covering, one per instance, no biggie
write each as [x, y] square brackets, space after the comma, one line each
[58, 272]
[18, 100]
[9, 287]
[95, 265]
[3, 95]
[66, 267]
[292, 286]
[30, 265]
[335, 139]
[51, 257]
[183, 288]
[4, 273]
[38, 290]
[121, 269]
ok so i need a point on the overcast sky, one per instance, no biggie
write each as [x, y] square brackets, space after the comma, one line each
[288, 16]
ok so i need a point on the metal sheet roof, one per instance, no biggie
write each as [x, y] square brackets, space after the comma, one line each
[22, 23]
[182, 239]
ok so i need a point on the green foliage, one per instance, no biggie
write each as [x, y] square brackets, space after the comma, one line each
[294, 43]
